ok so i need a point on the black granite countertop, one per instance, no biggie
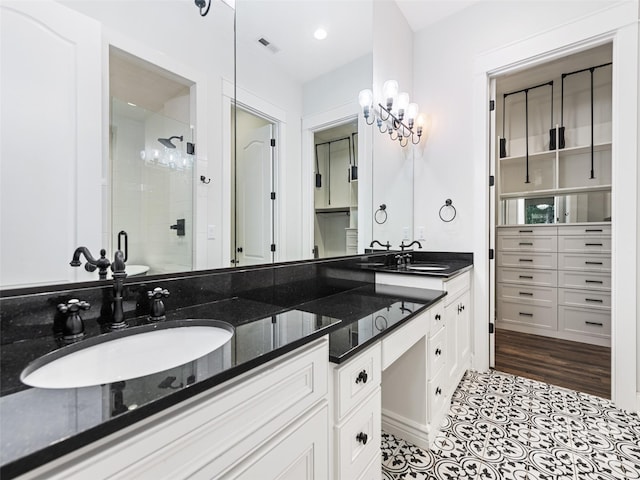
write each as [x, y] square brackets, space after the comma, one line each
[272, 315]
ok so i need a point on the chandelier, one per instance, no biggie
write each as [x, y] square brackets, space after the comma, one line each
[398, 117]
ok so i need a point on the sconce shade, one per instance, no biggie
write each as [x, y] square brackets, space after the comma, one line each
[365, 98]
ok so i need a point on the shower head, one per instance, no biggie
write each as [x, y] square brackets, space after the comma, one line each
[167, 141]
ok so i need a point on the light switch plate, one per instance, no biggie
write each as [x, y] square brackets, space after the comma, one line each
[211, 232]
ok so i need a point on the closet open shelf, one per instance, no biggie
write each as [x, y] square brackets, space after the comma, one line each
[555, 191]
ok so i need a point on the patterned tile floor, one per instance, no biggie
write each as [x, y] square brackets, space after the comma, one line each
[501, 426]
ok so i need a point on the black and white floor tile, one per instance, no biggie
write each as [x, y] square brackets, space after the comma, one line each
[501, 426]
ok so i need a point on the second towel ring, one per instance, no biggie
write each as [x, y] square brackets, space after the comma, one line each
[447, 203]
[381, 214]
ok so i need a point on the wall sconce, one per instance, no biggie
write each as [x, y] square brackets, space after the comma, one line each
[398, 117]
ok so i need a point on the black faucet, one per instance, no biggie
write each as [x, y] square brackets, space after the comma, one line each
[117, 267]
[415, 242]
[101, 263]
[387, 246]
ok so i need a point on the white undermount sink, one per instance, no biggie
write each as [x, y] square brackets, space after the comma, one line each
[127, 354]
[427, 268]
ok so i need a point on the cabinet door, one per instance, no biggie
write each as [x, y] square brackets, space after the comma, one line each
[298, 453]
[464, 330]
[458, 336]
[451, 325]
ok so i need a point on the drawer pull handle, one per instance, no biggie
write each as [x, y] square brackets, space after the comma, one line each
[597, 324]
[526, 260]
[593, 263]
[438, 317]
[592, 244]
[438, 391]
[594, 281]
[523, 314]
[525, 243]
[528, 277]
[362, 438]
[596, 300]
[593, 230]
[362, 377]
[460, 308]
[438, 352]
[527, 293]
[525, 231]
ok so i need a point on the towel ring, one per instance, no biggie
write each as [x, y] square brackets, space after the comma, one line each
[447, 203]
[381, 214]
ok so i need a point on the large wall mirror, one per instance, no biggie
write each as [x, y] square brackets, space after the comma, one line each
[145, 117]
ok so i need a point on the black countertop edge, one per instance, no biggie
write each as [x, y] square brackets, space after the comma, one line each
[356, 350]
[56, 450]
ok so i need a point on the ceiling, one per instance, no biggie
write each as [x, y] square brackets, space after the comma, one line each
[422, 13]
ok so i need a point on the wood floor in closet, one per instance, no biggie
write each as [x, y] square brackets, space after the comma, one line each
[578, 366]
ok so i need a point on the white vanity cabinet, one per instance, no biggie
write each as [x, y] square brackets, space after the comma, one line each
[268, 423]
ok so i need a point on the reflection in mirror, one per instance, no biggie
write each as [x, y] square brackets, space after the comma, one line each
[569, 208]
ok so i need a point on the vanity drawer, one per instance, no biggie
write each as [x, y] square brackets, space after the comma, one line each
[588, 280]
[584, 229]
[584, 298]
[527, 260]
[529, 295]
[402, 339]
[528, 230]
[584, 244]
[356, 379]
[436, 318]
[543, 278]
[584, 262]
[358, 438]
[514, 313]
[436, 395]
[436, 352]
[527, 244]
[596, 323]
[374, 470]
[455, 286]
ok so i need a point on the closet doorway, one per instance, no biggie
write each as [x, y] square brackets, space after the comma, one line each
[552, 221]
[336, 191]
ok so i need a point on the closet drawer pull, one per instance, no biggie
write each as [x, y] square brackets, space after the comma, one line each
[592, 244]
[600, 282]
[525, 243]
[529, 277]
[527, 293]
[596, 300]
[525, 260]
[523, 314]
[593, 263]
[525, 231]
[593, 230]
[597, 324]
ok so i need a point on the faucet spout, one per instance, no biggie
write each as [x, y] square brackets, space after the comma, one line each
[387, 246]
[415, 242]
[101, 263]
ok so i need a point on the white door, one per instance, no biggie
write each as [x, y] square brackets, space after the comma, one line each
[492, 227]
[50, 56]
[254, 206]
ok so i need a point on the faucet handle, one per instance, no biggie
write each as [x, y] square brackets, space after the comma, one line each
[157, 313]
[73, 326]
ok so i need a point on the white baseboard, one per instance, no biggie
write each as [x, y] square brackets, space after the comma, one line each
[409, 430]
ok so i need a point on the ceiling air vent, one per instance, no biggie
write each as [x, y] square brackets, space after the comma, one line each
[268, 45]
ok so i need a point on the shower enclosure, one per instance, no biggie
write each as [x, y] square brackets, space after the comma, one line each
[152, 184]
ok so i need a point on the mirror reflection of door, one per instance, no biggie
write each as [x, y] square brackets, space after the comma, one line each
[253, 211]
[152, 165]
[336, 191]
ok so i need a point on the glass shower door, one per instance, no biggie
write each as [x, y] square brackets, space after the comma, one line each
[152, 188]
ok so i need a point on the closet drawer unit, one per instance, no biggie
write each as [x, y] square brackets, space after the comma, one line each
[543, 317]
[356, 380]
[584, 262]
[436, 353]
[584, 298]
[358, 438]
[528, 295]
[588, 280]
[436, 394]
[542, 278]
[528, 231]
[584, 244]
[528, 260]
[596, 323]
[584, 230]
[527, 244]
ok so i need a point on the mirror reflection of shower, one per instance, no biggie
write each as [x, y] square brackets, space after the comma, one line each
[167, 141]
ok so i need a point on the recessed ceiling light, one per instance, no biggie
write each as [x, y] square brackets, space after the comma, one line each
[320, 34]
[132, 104]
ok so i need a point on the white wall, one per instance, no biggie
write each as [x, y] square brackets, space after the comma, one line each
[444, 60]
